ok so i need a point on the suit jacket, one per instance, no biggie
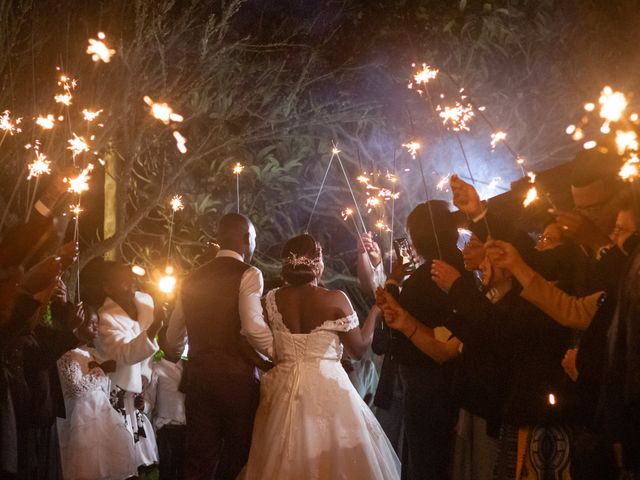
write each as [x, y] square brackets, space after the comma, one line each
[125, 340]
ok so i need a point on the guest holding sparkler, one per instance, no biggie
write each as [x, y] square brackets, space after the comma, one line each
[429, 415]
[126, 334]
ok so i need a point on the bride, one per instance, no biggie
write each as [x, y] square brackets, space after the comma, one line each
[311, 423]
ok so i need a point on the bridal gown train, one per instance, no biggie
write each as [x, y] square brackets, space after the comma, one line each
[311, 423]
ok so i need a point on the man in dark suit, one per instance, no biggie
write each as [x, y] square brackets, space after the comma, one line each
[219, 310]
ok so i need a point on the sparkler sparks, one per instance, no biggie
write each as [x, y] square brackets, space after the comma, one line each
[497, 137]
[626, 140]
[9, 126]
[77, 145]
[457, 117]
[99, 50]
[167, 283]
[75, 209]
[181, 142]
[176, 203]
[40, 166]
[138, 270]
[589, 145]
[90, 116]
[63, 98]
[612, 104]
[424, 76]
[412, 148]
[47, 122]
[238, 168]
[346, 213]
[443, 182]
[335, 151]
[80, 183]
[163, 111]
[372, 202]
[380, 225]
[631, 168]
[363, 179]
[532, 194]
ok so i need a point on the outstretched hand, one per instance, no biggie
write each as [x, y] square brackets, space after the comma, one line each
[503, 255]
[581, 229]
[394, 315]
[443, 275]
[370, 246]
[465, 197]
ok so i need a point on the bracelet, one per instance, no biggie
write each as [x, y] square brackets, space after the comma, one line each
[414, 332]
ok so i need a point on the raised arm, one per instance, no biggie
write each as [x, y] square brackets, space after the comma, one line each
[356, 340]
[420, 335]
[566, 310]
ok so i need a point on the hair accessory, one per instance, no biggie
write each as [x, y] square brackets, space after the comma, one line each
[295, 260]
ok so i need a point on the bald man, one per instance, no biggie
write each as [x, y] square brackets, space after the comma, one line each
[219, 311]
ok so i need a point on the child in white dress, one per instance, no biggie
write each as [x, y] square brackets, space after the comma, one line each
[94, 441]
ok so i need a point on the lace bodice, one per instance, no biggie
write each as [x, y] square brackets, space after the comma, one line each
[322, 343]
[76, 377]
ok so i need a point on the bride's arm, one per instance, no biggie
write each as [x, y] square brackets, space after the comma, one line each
[357, 340]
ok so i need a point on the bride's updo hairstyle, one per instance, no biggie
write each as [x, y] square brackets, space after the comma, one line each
[301, 262]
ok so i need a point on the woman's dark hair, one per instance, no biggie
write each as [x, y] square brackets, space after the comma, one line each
[427, 217]
[301, 260]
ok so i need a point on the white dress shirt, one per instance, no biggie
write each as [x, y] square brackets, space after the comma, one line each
[125, 340]
[163, 398]
[253, 325]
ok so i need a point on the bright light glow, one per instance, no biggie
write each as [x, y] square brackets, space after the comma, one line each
[626, 140]
[457, 117]
[612, 104]
[532, 196]
[425, 75]
[346, 213]
[631, 168]
[552, 399]
[176, 203]
[443, 182]
[167, 284]
[163, 111]
[335, 151]
[181, 142]
[77, 145]
[40, 166]
[570, 129]
[99, 50]
[589, 145]
[380, 225]
[80, 183]
[46, 122]
[238, 168]
[90, 116]
[589, 107]
[412, 148]
[497, 137]
[138, 270]
[7, 125]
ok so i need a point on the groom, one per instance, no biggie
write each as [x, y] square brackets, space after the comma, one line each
[219, 310]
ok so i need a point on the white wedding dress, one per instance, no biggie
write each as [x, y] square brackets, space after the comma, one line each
[311, 423]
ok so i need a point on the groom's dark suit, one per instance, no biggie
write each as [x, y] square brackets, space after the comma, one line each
[221, 385]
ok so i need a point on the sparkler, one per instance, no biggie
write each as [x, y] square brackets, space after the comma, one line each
[457, 117]
[47, 123]
[612, 104]
[591, 144]
[412, 148]
[163, 111]
[626, 140]
[40, 166]
[77, 145]
[631, 168]
[181, 142]
[138, 271]
[90, 116]
[80, 183]
[532, 193]
[497, 137]
[176, 203]
[9, 126]
[99, 50]
[237, 170]
[424, 76]
[167, 283]
[443, 182]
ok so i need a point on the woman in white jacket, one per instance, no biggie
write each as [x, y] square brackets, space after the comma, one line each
[126, 333]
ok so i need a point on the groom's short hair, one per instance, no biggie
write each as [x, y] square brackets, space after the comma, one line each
[232, 226]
